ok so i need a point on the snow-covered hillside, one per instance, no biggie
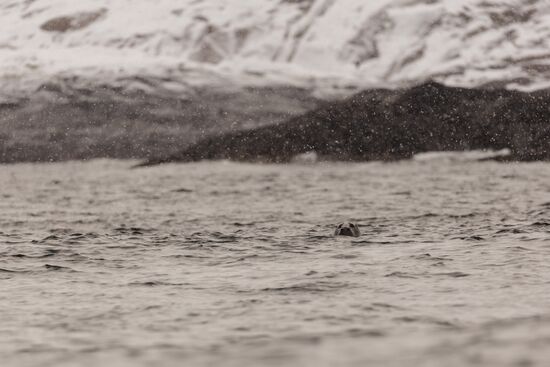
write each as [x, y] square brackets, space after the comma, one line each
[168, 45]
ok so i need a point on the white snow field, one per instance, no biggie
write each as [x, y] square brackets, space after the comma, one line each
[338, 45]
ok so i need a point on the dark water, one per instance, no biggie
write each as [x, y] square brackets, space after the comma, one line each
[235, 265]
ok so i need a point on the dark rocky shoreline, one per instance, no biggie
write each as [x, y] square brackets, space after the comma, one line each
[382, 124]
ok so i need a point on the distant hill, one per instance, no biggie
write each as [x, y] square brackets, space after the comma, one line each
[382, 124]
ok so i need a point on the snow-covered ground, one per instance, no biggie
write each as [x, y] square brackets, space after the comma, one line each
[169, 45]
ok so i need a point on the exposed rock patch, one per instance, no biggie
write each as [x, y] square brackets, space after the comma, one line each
[72, 22]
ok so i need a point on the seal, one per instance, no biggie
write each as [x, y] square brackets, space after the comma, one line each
[347, 229]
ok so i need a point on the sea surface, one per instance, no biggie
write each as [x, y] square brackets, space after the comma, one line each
[228, 264]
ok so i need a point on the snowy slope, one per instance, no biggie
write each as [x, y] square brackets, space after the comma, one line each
[169, 45]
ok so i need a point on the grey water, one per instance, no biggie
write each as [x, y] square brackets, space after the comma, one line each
[218, 263]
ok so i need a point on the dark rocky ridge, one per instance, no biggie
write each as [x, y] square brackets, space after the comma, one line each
[383, 124]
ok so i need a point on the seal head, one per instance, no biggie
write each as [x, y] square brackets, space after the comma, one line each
[347, 229]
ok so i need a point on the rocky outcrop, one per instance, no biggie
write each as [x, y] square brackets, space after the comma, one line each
[383, 124]
[72, 22]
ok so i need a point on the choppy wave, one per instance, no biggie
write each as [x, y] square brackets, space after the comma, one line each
[103, 264]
